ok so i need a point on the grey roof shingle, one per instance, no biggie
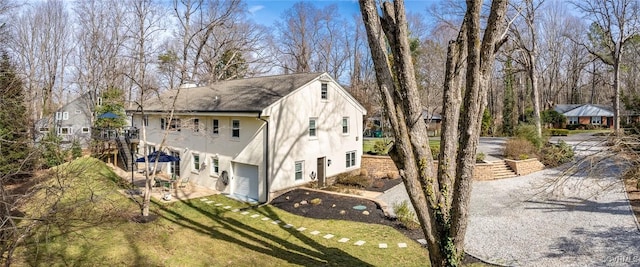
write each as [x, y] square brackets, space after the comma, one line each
[242, 95]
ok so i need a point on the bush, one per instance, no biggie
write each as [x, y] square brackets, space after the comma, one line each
[404, 214]
[559, 132]
[353, 180]
[480, 157]
[553, 155]
[435, 150]
[76, 149]
[529, 133]
[519, 149]
[380, 147]
[316, 201]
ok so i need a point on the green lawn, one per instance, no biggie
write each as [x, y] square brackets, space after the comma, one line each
[91, 227]
[369, 143]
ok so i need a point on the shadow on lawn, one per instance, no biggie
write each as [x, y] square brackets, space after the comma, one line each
[270, 244]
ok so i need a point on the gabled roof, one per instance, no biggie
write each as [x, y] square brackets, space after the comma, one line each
[242, 95]
[589, 110]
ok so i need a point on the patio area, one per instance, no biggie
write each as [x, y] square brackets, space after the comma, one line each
[179, 190]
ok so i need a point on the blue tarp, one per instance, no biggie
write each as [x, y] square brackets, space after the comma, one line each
[162, 157]
[108, 115]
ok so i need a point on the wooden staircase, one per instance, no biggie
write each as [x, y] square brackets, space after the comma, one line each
[502, 170]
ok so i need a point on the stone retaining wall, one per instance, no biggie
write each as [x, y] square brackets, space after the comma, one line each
[379, 166]
[383, 166]
[483, 172]
[524, 167]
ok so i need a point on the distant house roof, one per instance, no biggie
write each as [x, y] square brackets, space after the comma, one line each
[242, 95]
[588, 110]
[426, 115]
[562, 108]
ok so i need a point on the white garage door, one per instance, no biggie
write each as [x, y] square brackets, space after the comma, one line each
[246, 181]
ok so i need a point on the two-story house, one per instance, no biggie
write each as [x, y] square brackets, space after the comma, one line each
[70, 122]
[252, 137]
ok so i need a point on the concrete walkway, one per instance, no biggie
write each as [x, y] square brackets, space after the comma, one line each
[552, 219]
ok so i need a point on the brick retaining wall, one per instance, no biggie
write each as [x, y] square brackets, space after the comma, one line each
[524, 167]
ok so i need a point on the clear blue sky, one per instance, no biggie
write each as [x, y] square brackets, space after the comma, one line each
[266, 12]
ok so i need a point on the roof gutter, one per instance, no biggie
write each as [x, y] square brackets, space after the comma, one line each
[266, 157]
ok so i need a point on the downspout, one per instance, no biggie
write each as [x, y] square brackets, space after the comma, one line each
[266, 157]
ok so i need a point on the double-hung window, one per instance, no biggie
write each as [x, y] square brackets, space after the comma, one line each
[324, 91]
[235, 128]
[196, 125]
[299, 168]
[196, 162]
[216, 127]
[350, 159]
[313, 127]
[215, 167]
[597, 120]
[345, 125]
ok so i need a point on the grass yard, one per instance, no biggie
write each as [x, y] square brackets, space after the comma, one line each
[88, 224]
[368, 144]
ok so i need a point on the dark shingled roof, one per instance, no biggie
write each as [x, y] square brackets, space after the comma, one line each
[242, 95]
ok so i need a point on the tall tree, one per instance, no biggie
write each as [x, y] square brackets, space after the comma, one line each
[312, 39]
[614, 24]
[42, 45]
[198, 22]
[100, 56]
[441, 201]
[527, 42]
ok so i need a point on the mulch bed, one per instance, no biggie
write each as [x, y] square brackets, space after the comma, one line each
[331, 206]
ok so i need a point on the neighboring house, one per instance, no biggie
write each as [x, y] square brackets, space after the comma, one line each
[586, 114]
[374, 126]
[71, 122]
[252, 137]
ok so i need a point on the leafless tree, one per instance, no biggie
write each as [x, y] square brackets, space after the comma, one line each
[312, 40]
[41, 41]
[527, 42]
[99, 61]
[614, 23]
[198, 21]
[440, 202]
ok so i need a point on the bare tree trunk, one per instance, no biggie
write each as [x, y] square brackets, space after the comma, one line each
[440, 202]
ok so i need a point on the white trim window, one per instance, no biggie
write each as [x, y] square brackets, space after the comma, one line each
[65, 116]
[313, 127]
[58, 116]
[44, 129]
[235, 128]
[85, 130]
[345, 125]
[78, 111]
[596, 120]
[216, 126]
[196, 162]
[215, 167]
[64, 131]
[196, 125]
[572, 120]
[350, 159]
[145, 120]
[299, 170]
[324, 91]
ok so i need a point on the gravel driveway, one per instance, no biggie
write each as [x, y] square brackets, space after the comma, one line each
[550, 219]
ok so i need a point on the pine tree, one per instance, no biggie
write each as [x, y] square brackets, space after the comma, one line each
[14, 140]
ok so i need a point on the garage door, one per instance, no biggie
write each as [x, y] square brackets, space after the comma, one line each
[246, 181]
